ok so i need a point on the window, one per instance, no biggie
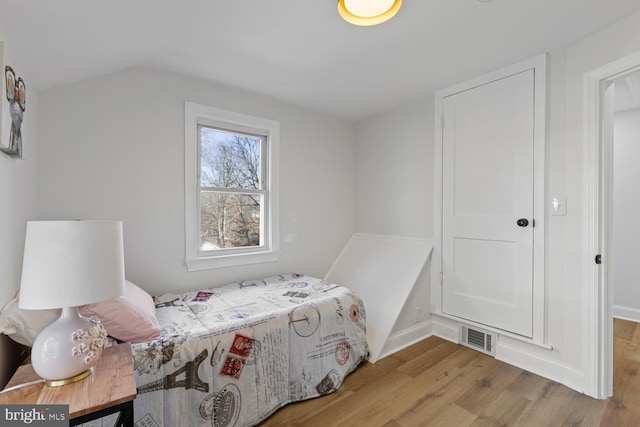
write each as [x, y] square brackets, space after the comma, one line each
[231, 188]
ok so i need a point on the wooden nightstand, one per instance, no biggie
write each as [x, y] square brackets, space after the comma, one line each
[110, 389]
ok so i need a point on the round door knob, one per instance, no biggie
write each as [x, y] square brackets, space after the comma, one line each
[522, 222]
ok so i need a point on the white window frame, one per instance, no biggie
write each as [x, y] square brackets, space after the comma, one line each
[196, 115]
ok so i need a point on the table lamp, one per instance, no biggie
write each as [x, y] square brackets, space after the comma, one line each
[68, 264]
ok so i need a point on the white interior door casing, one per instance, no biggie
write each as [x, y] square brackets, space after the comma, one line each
[494, 259]
[488, 136]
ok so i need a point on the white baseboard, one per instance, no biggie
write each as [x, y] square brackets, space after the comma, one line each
[626, 313]
[525, 356]
[405, 338]
[540, 365]
[446, 328]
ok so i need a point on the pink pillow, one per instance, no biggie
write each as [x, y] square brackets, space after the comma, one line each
[130, 317]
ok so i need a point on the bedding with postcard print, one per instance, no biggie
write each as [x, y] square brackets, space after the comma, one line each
[232, 355]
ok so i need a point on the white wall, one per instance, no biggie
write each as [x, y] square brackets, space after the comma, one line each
[18, 204]
[113, 148]
[394, 165]
[626, 206]
[394, 176]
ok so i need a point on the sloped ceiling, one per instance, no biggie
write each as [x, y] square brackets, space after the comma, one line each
[298, 51]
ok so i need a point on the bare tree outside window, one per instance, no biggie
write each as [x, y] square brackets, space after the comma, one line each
[231, 189]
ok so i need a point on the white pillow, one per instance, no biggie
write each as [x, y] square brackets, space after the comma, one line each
[23, 326]
[130, 317]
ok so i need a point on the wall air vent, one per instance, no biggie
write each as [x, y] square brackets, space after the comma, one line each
[478, 339]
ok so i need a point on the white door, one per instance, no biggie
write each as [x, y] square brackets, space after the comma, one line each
[488, 196]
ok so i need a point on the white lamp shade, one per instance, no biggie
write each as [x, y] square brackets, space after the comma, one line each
[71, 263]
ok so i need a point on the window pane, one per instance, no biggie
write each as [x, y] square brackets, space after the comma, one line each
[229, 160]
[229, 220]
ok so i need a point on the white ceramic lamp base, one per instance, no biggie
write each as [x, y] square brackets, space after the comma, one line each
[66, 350]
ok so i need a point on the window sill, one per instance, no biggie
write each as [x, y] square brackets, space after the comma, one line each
[208, 263]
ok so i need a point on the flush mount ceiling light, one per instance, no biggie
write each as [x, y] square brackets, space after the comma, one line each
[368, 12]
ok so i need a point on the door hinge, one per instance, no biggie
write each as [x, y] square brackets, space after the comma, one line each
[441, 278]
[598, 259]
[442, 122]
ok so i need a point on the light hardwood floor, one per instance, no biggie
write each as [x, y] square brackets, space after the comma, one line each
[438, 383]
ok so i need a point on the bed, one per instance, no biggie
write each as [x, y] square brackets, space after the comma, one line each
[232, 355]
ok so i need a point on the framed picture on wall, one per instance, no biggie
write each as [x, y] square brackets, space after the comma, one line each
[13, 101]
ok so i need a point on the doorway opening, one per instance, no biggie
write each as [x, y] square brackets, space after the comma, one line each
[599, 101]
[626, 203]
